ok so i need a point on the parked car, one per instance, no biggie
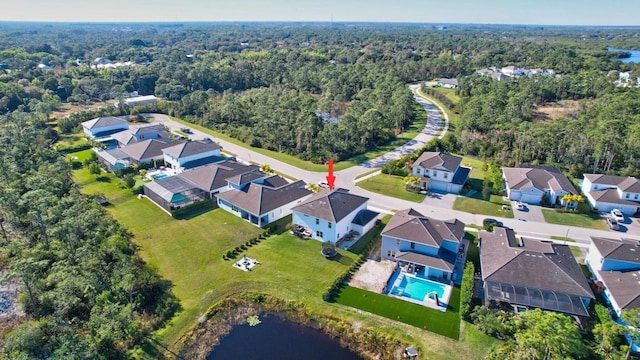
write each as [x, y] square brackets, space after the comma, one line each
[489, 223]
[612, 223]
[617, 215]
[323, 184]
[520, 206]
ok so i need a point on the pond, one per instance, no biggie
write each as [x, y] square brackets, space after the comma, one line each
[278, 338]
[634, 58]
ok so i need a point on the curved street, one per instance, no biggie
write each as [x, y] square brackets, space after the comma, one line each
[432, 206]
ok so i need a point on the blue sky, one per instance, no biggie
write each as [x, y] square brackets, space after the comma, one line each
[547, 12]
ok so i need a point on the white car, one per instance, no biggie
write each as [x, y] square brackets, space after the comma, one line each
[520, 205]
[323, 184]
[617, 215]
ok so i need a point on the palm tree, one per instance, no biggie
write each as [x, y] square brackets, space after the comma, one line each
[411, 182]
[571, 200]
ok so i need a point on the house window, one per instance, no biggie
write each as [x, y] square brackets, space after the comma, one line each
[413, 245]
[234, 208]
[329, 224]
[595, 187]
[627, 196]
[317, 221]
[319, 234]
[435, 173]
[446, 175]
[635, 197]
[397, 242]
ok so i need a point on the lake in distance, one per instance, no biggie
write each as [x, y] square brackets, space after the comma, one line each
[634, 58]
[278, 338]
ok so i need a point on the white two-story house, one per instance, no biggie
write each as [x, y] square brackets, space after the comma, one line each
[332, 215]
[607, 192]
[616, 266]
[191, 154]
[440, 172]
[432, 246]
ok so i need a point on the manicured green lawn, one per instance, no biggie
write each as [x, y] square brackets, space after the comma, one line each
[443, 323]
[189, 252]
[476, 339]
[81, 156]
[583, 218]
[475, 205]
[413, 130]
[390, 185]
[449, 93]
[453, 117]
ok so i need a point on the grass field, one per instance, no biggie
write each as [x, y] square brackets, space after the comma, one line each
[453, 117]
[476, 205]
[390, 185]
[81, 156]
[188, 253]
[583, 218]
[443, 323]
[411, 132]
[449, 93]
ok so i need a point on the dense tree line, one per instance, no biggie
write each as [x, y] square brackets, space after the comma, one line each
[85, 292]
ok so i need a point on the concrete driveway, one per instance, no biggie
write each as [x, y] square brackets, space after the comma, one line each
[530, 213]
[443, 200]
[631, 226]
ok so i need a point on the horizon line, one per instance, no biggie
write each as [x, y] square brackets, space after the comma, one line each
[329, 22]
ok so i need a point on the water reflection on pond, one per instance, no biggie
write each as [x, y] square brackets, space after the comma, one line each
[277, 338]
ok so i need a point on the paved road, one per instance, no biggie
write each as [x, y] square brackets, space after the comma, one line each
[386, 204]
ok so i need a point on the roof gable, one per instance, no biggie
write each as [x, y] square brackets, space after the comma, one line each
[191, 148]
[541, 179]
[260, 199]
[331, 206]
[434, 160]
[214, 176]
[530, 263]
[412, 226]
[104, 121]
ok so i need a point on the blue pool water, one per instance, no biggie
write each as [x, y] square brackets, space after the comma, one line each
[160, 176]
[417, 289]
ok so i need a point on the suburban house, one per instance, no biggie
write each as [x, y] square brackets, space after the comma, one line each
[191, 154]
[334, 216]
[147, 151]
[213, 178]
[616, 266]
[440, 172]
[526, 273]
[199, 184]
[139, 101]
[263, 200]
[448, 83]
[141, 133]
[101, 128]
[433, 247]
[608, 192]
[530, 185]
[512, 71]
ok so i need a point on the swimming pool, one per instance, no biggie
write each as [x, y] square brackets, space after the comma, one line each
[417, 289]
[160, 176]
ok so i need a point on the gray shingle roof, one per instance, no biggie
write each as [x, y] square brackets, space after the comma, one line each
[363, 217]
[246, 177]
[145, 149]
[431, 160]
[622, 249]
[535, 264]
[448, 81]
[430, 261]
[412, 226]
[104, 121]
[611, 196]
[624, 183]
[331, 206]
[214, 176]
[191, 148]
[624, 287]
[541, 179]
[260, 199]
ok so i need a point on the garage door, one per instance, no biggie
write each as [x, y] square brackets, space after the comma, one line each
[530, 199]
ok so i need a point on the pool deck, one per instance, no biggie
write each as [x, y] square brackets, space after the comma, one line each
[397, 279]
[373, 275]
